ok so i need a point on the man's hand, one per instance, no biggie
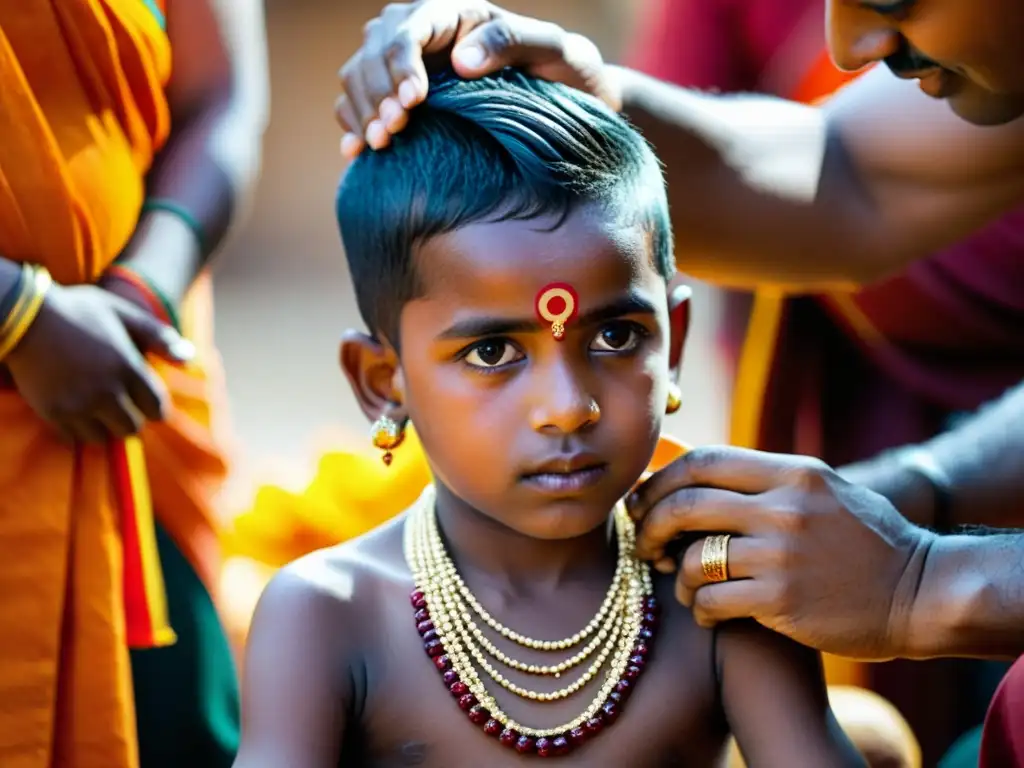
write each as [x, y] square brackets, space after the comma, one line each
[830, 564]
[387, 76]
[80, 366]
[907, 490]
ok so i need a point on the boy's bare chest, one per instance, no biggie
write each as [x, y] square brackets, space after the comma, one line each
[672, 718]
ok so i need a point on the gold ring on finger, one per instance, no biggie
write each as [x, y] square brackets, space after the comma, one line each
[714, 558]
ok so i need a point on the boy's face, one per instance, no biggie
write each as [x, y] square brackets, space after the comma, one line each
[540, 434]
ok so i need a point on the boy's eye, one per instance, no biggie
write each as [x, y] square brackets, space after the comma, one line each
[617, 337]
[491, 353]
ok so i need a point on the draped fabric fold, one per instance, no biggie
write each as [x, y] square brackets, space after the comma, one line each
[82, 114]
[1003, 739]
[846, 375]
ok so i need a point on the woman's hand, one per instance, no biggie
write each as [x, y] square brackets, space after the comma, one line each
[81, 366]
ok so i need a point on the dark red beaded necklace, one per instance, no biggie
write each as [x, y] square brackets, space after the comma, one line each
[554, 746]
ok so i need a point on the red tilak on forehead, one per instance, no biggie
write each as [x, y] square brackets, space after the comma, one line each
[557, 304]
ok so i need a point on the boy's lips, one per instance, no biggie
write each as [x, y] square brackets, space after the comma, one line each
[565, 464]
[567, 473]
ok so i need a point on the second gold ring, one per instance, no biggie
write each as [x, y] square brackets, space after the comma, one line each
[714, 558]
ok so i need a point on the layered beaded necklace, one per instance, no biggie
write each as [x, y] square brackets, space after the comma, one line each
[618, 639]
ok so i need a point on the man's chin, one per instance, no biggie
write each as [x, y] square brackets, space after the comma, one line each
[984, 108]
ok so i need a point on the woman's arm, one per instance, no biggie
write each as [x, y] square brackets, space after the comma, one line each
[219, 102]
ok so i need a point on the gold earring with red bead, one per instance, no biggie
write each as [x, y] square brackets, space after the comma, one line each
[675, 398]
[387, 434]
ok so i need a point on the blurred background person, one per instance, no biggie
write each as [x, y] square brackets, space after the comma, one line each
[131, 137]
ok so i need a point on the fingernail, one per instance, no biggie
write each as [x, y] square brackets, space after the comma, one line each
[390, 110]
[377, 135]
[407, 93]
[471, 56]
[182, 349]
[350, 145]
[665, 565]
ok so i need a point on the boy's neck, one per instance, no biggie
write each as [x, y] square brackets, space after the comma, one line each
[487, 550]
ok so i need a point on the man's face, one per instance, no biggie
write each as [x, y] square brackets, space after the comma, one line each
[543, 435]
[970, 52]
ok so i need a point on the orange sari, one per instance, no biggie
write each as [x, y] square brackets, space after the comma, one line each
[82, 113]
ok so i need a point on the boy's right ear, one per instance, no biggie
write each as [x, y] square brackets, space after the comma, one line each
[679, 293]
[370, 368]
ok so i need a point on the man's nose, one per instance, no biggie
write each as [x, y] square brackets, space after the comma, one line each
[858, 36]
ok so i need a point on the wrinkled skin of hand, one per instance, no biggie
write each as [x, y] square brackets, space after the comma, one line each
[828, 563]
[81, 369]
[387, 76]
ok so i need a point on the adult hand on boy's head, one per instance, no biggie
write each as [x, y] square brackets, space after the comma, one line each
[387, 75]
[830, 564]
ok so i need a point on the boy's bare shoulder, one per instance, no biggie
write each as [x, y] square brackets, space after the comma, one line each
[340, 587]
[311, 641]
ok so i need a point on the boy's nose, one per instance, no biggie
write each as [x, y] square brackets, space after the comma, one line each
[563, 403]
[858, 36]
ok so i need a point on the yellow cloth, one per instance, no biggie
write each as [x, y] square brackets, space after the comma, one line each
[82, 112]
[350, 494]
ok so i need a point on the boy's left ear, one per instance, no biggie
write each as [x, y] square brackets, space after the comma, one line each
[679, 294]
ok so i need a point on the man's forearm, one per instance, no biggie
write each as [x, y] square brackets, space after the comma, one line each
[980, 463]
[757, 190]
[765, 191]
[984, 460]
[970, 599]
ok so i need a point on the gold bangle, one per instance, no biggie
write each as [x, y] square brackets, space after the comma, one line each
[26, 309]
[24, 291]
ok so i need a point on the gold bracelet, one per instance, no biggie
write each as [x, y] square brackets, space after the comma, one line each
[24, 291]
[35, 286]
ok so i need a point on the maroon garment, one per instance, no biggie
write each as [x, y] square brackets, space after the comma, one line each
[1002, 744]
[730, 45]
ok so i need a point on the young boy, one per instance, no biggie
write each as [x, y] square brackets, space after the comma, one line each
[512, 257]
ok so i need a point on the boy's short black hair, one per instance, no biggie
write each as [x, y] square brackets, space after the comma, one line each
[502, 147]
